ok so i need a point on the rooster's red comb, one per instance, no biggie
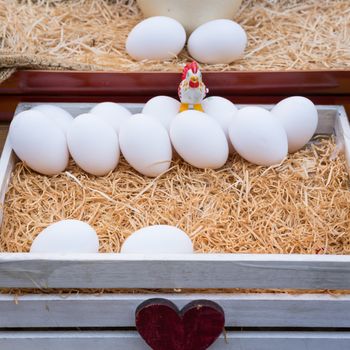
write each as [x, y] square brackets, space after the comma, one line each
[193, 66]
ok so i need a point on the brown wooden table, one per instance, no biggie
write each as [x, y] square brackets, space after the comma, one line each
[322, 87]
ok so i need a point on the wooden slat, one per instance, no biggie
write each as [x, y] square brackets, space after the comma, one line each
[342, 131]
[153, 83]
[109, 340]
[118, 310]
[327, 114]
[25, 270]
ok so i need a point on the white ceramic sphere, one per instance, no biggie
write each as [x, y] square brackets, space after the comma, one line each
[190, 13]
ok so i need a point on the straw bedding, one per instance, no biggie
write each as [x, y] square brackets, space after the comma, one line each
[300, 206]
[91, 34]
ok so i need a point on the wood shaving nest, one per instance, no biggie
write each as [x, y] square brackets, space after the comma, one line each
[282, 34]
[300, 206]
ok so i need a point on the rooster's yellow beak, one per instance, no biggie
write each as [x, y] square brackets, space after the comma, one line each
[194, 79]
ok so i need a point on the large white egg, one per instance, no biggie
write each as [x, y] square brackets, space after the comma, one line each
[158, 239]
[156, 38]
[59, 115]
[299, 118]
[145, 145]
[199, 140]
[39, 142]
[163, 109]
[258, 136]
[223, 111]
[93, 144]
[66, 236]
[112, 113]
[218, 41]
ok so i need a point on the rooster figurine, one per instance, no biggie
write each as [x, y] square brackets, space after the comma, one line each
[192, 89]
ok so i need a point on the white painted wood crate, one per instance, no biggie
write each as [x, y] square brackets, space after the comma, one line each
[53, 321]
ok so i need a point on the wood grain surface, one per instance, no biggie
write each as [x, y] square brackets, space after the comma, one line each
[129, 340]
[323, 87]
[118, 310]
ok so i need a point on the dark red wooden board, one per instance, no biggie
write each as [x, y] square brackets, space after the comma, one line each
[164, 327]
[322, 87]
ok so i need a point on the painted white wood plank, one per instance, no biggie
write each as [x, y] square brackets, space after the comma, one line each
[109, 340]
[118, 310]
[342, 131]
[274, 271]
[7, 163]
[327, 114]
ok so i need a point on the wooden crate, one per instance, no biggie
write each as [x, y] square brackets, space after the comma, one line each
[106, 321]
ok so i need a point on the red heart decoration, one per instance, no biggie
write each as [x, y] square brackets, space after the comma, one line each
[164, 327]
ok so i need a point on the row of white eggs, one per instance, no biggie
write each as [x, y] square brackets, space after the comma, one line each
[162, 38]
[43, 136]
[74, 236]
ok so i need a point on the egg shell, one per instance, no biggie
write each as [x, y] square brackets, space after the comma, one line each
[258, 136]
[156, 38]
[112, 113]
[57, 114]
[199, 140]
[299, 117]
[163, 109]
[158, 239]
[145, 145]
[223, 111]
[39, 142]
[66, 236]
[218, 41]
[93, 144]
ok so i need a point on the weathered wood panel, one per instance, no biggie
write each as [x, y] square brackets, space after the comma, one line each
[118, 310]
[265, 271]
[109, 340]
[327, 114]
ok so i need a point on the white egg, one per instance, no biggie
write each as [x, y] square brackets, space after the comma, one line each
[145, 145]
[60, 116]
[112, 113]
[93, 144]
[66, 236]
[218, 41]
[163, 109]
[156, 38]
[299, 118]
[39, 142]
[158, 239]
[258, 136]
[199, 140]
[223, 111]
